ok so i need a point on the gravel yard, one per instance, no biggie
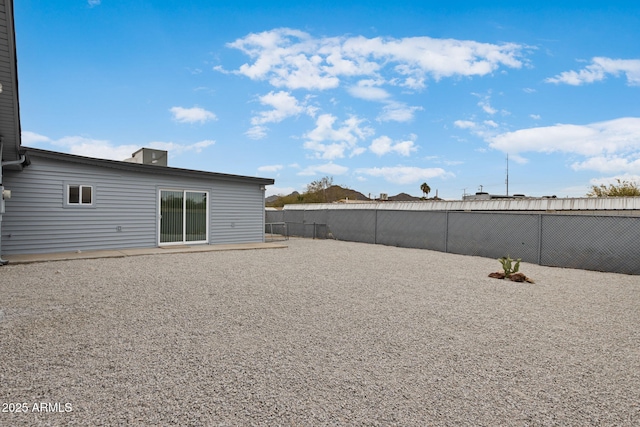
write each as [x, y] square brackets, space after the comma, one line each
[321, 333]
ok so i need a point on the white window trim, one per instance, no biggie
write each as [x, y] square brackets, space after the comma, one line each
[79, 205]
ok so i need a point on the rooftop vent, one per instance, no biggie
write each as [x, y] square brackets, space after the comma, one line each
[149, 156]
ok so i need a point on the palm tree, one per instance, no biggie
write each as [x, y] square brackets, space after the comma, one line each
[425, 189]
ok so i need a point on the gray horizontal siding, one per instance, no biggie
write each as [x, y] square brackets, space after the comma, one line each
[236, 211]
[125, 211]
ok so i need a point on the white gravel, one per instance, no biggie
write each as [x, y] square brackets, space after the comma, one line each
[320, 333]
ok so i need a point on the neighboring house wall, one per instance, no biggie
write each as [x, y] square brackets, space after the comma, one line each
[125, 211]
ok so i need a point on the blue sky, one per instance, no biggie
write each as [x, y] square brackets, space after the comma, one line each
[382, 96]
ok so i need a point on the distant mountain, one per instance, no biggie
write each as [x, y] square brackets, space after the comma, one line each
[346, 193]
[274, 198]
[403, 197]
[332, 194]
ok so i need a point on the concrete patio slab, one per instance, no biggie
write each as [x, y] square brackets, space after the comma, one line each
[121, 253]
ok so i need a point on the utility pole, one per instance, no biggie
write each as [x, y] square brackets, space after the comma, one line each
[507, 180]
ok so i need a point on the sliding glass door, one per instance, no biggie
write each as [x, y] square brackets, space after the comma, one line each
[195, 216]
[183, 217]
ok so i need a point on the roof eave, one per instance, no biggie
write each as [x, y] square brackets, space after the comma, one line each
[137, 167]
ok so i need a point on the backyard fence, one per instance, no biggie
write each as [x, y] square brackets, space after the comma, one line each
[276, 231]
[589, 242]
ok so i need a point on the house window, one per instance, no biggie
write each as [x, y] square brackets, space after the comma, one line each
[80, 195]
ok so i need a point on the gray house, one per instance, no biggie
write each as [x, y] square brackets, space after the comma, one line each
[53, 202]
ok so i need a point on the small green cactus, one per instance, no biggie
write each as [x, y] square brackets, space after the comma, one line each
[508, 265]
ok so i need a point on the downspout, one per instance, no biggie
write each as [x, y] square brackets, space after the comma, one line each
[20, 161]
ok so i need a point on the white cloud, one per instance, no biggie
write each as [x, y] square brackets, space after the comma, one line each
[598, 70]
[256, 132]
[93, 3]
[284, 105]
[487, 108]
[270, 168]
[610, 164]
[327, 151]
[192, 115]
[465, 124]
[398, 112]
[484, 129]
[369, 90]
[104, 149]
[101, 149]
[198, 146]
[485, 104]
[32, 138]
[384, 145]
[609, 137]
[453, 162]
[381, 145]
[294, 59]
[357, 151]
[285, 57]
[325, 169]
[405, 174]
[174, 148]
[535, 116]
[608, 147]
[330, 143]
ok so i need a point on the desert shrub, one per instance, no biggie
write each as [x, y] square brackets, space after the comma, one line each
[621, 189]
[510, 266]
